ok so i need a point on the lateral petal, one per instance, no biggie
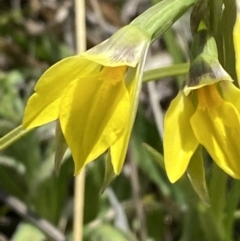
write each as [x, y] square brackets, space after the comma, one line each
[119, 148]
[179, 140]
[134, 83]
[231, 93]
[43, 106]
[218, 130]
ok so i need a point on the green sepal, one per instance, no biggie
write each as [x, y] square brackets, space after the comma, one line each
[61, 147]
[109, 173]
[196, 175]
[204, 63]
[206, 68]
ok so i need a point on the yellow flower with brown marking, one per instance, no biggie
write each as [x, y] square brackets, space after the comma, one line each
[94, 96]
[205, 112]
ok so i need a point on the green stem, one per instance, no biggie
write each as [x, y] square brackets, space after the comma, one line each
[169, 71]
[215, 15]
[229, 17]
[211, 229]
[157, 19]
[232, 204]
[12, 136]
[217, 192]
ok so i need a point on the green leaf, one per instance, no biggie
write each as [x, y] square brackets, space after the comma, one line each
[13, 164]
[196, 175]
[93, 182]
[144, 131]
[106, 232]
[52, 190]
[155, 154]
[231, 205]
[26, 232]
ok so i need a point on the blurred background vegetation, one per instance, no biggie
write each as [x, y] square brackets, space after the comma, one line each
[140, 204]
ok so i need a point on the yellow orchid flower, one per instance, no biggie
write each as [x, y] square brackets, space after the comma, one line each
[213, 123]
[94, 96]
[205, 112]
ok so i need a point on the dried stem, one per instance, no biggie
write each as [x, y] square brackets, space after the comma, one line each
[80, 23]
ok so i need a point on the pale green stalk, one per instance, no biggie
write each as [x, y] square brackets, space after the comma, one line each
[157, 19]
[79, 186]
[168, 71]
[12, 136]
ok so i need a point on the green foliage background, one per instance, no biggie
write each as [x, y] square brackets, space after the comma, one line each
[140, 204]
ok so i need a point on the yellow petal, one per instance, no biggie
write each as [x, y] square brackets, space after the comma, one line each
[218, 130]
[236, 38]
[179, 140]
[125, 47]
[119, 148]
[134, 83]
[118, 151]
[92, 116]
[43, 106]
[231, 93]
